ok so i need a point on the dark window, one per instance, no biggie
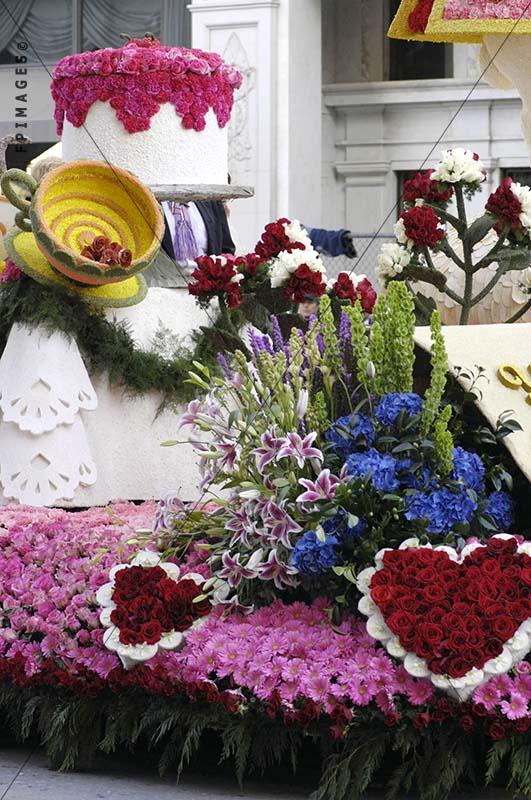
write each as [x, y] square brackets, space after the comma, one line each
[518, 174]
[417, 60]
[20, 155]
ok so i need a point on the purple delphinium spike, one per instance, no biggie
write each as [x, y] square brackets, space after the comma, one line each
[267, 344]
[321, 343]
[224, 364]
[345, 343]
[344, 327]
[254, 342]
[278, 339]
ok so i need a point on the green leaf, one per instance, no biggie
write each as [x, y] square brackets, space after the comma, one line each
[478, 229]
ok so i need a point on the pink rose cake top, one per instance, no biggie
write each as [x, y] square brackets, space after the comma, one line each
[460, 20]
[137, 78]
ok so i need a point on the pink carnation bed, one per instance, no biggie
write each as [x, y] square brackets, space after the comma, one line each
[52, 562]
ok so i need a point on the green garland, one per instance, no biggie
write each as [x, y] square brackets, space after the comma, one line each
[108, 346]
[432, 762]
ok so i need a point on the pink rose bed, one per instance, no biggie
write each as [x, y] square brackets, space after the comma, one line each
[287, 658]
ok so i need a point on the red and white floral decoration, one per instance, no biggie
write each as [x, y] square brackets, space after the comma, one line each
[457, 618]
[149, 605]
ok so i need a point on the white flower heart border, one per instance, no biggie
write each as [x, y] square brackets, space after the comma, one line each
[514, 650]
[132, 654]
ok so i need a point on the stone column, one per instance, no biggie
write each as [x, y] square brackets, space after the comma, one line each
[275, 130]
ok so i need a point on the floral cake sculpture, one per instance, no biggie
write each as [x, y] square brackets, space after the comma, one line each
[502, 27]
[132, 117]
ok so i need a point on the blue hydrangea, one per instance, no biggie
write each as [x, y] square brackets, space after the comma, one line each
[357, 425]
[381, 467]
[391, 405]
[441, 508]
[500, 508]
[339, 525]
[311, 556]
[418, 479]
[469, 468]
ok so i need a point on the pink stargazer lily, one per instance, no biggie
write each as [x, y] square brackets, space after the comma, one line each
[230, 453]
[234, 571]
[280, 524]
[322, 488]
[269, 450]
[274, 570]
[300, 449]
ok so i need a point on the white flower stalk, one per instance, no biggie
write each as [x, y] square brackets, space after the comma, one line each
[459, 166]
[296, 233]
[393, 259]
[302, 404]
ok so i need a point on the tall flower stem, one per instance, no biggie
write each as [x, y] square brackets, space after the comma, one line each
[467, 259]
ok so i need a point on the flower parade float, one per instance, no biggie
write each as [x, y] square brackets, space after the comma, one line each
[92, 228]
[474, 271]
[354, 575]
[356, 578]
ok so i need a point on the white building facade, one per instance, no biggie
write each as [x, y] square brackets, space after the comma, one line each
[318, 129]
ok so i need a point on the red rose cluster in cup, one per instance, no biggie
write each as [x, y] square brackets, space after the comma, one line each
[108, 253]
[455, 615]
[149, 603]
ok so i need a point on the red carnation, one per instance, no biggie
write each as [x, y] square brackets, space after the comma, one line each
[422, 226]
[214, 276]
[497, 731]
[343, 288]
[304, 284]
[365, 291]
[151, 632]
[421, 187]
[275, 240]
[505, 205]
[467, 723]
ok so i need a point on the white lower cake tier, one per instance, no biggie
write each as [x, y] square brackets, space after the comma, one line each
[167, 153]
[125, 434]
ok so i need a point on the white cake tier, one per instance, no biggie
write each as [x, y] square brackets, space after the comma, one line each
[167, 153]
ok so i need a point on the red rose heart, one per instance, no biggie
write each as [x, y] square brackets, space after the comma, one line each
[456, 613]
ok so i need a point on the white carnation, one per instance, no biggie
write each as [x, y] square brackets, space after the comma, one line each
[401, 236]
[523, 195]
[392, 260]
[285, 264]
[459, 165]
[296, 233]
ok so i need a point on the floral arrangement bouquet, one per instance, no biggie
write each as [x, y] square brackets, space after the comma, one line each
[283, 271]
[441, 254]
[329, 455]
